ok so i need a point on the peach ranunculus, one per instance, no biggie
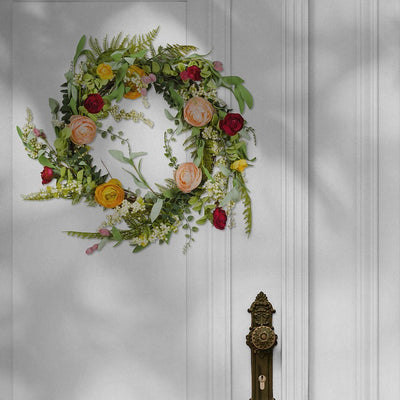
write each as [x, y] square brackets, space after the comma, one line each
[239, 165]
[104, 71]
[188, 177]
[109, 194]
[198, 111]
[134, 73]
[83, 129]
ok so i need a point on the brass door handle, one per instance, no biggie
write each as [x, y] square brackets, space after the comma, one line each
[261, 339]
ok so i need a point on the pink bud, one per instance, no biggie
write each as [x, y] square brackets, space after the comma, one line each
[89, 251]
[39, 133]
[145, 80]
[218, 66]
[95, 247]
[152, 77]
[143, 91]
[104, 232]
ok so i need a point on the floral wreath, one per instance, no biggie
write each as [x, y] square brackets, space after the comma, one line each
[210, 185]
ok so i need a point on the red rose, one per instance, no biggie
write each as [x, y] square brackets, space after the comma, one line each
[193, 73]
[219, 218]
[47, 175]
[231, 124]
[94, 103]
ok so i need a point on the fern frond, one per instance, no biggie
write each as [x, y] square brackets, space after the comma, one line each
[247, 213]
[94, 45]
[84, 235]
[105, 43]
[178, 50]
[142, 42]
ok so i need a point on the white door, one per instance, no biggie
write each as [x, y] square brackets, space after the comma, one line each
[325, 191]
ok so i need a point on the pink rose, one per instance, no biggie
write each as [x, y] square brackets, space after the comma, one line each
[218, 66]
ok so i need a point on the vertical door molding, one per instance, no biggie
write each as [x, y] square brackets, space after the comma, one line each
[210, 30]
[6, 339]
[294, 335]
[367, 332]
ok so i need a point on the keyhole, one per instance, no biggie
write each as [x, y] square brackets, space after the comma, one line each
[262, 380]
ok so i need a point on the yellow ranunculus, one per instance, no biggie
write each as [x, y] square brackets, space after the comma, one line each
[109, 194]
[239, 165]
[104, 71]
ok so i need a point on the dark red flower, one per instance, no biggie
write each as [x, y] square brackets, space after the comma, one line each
[193, 73]
[231, 124]
[94, 103]
[184, 75]
[219, 218]
[47, 175]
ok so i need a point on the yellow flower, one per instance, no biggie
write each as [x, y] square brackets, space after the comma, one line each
[133, 71]
[239, 165]
[104, 71]
[109, 194]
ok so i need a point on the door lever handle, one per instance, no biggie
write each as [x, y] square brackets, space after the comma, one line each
[261, 339]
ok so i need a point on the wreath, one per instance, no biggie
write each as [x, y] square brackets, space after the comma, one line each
[216, 141]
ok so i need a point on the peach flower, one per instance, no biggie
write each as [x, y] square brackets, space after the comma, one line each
[83, 129]
[188, 177]
[198, 111]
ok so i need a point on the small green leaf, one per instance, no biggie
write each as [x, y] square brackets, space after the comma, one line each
[79, 48]
[238, 97]
[138, 154]
[155, 67]
[193, 200]
[232, 80]
[176, 97]
[79, 176]
[168, 115]
[117, 55]
[45, 162]
[118, 155]
[137, 181]
[246, 95]
[202, 220]
[155, 211]
[54, 106]
[116, 234]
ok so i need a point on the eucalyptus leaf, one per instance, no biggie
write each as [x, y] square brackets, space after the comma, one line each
[232, 80]
[233, 195]
[168, 115]
[225, 170]
[116, 234]
[54, 106]
[137, 181]
[79, 48]
[138, 154]
[155, 211]
[246, 95]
